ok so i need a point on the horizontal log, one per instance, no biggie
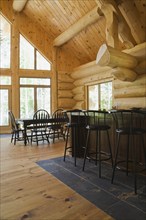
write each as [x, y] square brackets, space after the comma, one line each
[92, 63]
[140, 81]
[66, 103]
[97, 77]
[65, 86]
[124, 74]
[65, 94]
[126, 103]
[79, 97]
[108, 56]
[79, 105]
[139, 52]
[130, 92]
[77, 90]
[88, 71]
[64, 77]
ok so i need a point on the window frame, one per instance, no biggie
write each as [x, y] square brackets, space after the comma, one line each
[35, 56]
[99, 92]
[35, 87]
[9, 88]
[10, 43]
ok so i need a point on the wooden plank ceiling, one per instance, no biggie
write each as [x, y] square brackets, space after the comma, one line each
[56, 16]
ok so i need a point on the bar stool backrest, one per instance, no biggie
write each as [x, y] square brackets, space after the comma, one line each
[97, 117]
[128, 121]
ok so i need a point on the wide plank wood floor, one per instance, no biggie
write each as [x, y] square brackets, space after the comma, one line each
[29, 192]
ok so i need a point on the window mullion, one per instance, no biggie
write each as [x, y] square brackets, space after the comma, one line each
[35, 59]
[99, 96]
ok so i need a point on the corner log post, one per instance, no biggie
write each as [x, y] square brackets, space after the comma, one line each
[111, 25]
[124, 31]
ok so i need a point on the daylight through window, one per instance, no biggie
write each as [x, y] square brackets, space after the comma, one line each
[100, 96]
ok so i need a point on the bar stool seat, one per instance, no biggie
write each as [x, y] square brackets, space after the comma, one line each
[128, 124]
[97, 124]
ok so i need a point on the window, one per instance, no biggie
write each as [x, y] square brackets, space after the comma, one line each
[100, 96]
[5, 87]
[26, 54]
[30, 58]
[41, 62]
[34, 95]
[5, 80]
[4, 107]
[5, 36]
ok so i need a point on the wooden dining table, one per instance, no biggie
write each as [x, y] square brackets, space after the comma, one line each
[31, 123]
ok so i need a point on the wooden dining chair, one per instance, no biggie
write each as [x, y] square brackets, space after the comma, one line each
[39, 132]
[57, 129]
[16, 131]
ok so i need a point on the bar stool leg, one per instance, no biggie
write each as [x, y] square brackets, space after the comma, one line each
[86, 149]
[75, 143]
[116, 156]
[127, 158]
[99, 152]
[110, 149]
[97, 147]
[134, 164]
[66, 144]
[144, 149]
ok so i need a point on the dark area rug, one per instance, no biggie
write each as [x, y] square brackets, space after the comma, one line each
[117, 200]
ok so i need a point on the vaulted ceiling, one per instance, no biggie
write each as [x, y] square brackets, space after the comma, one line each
[56, 16]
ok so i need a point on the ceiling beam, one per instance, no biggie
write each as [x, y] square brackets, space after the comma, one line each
[88, 19]
[18, 5]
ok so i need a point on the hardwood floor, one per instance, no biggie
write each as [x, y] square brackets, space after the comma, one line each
[29, 192]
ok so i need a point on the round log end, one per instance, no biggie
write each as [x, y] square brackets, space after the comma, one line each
[103, 57]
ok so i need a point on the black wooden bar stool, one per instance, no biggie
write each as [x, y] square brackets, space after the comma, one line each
[75, 133]
[128, 125]
[98, 126]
